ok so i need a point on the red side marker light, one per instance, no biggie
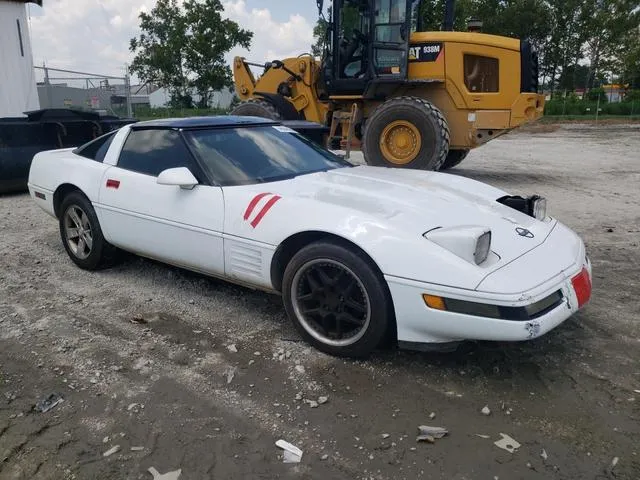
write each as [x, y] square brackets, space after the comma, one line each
[582, 286]
[113, 183]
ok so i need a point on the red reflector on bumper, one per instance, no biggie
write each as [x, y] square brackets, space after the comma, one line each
[582, 286]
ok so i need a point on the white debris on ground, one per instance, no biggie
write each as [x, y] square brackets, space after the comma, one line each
[507, 443]
[111, 451]
[229, 373]
[291, 453]
[430, 434]
[175, 475]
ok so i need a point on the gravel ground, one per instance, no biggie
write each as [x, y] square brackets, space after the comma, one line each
[205, 377]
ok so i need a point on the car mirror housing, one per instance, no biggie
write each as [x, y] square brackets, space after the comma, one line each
[179, 177]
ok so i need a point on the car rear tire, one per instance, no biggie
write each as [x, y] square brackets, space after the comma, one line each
[257, 107]
[81, 233]
[406, 132]
[454, 158]
[336, 299]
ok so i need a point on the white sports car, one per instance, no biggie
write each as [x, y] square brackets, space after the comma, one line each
[360, 254]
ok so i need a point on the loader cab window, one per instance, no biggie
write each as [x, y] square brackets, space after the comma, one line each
[370, 40]
[391, 37]
[416, 24]
[353, 38]
[389, 17]
[481, 74]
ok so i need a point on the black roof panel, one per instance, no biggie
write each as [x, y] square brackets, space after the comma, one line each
[203, 122]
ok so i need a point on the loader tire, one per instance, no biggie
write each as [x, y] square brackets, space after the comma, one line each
[454, 158]
[257, 107]
[406, 132]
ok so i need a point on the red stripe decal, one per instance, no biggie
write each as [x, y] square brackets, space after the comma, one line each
[113, 183]
[253, 203]
[264, 210]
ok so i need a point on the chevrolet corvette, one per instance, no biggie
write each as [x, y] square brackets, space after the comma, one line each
[360, 255]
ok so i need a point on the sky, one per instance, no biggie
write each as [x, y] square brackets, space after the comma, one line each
[93, 36]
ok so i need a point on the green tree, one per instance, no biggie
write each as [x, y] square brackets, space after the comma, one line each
[320, 34]
[526, 19]
[159, 48]
[597, 94]
[575, 77]
[432, 14]
[608, 23]
[629, 60]
[182, 48]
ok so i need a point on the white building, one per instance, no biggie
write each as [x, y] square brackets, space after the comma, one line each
[161, 98]
[18, 92]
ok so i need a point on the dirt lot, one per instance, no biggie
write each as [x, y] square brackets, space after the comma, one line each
[206, 376]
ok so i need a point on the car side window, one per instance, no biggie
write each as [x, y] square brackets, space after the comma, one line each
[96, 149]
[154, 150]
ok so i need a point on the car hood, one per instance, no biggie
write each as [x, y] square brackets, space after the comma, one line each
[417, 201]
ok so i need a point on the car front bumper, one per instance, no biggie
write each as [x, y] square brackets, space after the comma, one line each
[419, 324]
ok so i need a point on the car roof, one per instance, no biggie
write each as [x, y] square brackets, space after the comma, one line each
[204, 122]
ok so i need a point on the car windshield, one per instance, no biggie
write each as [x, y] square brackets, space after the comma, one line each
[248, 155]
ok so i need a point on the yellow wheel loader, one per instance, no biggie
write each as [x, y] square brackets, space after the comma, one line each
[409, 98]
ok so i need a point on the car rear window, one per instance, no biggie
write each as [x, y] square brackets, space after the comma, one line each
[96, 149]
[247, 155]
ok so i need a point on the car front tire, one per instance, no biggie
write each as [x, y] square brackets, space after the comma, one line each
[81, 233]
[336, 299]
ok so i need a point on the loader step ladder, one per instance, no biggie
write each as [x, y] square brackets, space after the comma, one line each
[347, 122]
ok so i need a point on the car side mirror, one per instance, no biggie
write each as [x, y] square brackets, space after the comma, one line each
[179, 177]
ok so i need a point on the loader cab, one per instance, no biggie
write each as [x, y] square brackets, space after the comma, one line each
[368, 43]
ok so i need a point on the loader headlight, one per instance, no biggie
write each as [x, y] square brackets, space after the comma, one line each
[535, 206]
[471, 243]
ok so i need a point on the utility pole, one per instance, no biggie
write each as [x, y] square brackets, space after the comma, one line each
[47, 84]
[127, 86]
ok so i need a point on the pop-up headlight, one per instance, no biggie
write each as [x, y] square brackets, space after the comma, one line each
[470, 243]
[535, 206]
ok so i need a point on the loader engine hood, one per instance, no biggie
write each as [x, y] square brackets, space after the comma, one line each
[411, 202]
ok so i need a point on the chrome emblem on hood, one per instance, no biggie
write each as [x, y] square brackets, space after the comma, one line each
[523, 232]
